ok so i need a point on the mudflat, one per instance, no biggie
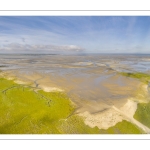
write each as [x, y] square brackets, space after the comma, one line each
[94, 92]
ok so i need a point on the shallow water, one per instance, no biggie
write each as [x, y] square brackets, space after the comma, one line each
[90, 80]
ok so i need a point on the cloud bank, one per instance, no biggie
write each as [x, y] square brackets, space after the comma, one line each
[39, 48]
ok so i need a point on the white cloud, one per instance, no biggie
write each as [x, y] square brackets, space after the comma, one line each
[38, 48]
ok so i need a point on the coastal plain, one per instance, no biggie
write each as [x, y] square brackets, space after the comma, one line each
[70, 95]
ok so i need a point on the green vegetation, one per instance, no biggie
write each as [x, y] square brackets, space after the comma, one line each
[123, 128]
[142, 114]
[23, 110]
[75, 125]
[141, 76]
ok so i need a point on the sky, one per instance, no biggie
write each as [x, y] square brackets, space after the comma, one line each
[74, 34]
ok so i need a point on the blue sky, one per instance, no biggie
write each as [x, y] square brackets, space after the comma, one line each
[71, 34]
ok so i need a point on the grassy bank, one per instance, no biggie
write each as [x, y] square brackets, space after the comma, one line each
[143, 113]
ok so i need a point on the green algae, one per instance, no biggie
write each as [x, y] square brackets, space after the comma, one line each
[123, 127]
